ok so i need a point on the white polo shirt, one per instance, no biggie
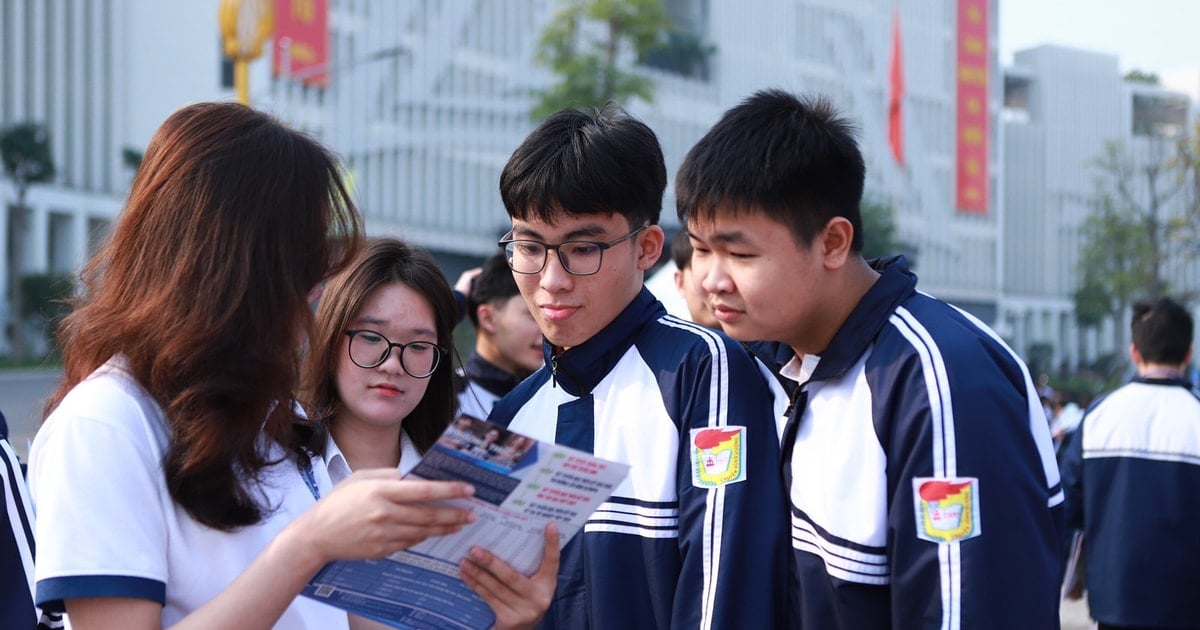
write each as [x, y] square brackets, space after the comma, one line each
[107, 526]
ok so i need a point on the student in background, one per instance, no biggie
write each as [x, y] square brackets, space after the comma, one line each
[508, 343]
[1132, 476]
[688, 287]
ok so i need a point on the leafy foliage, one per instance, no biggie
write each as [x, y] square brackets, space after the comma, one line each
[132, 158]
[46, 296]
[1139, 76]
[879, 232]
[583, 45]
[1115, 264]
[25, 152]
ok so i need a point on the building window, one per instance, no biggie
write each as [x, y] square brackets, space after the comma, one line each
[1159, 115]
[683, 49]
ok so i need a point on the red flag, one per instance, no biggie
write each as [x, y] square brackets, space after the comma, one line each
[896, 94]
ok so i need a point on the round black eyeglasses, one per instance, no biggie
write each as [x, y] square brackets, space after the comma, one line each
[369, 349]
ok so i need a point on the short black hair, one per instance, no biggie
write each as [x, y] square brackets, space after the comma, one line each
[494, 283]
[1162, 331]
[793, 158]
[681, 250]
[586, 162]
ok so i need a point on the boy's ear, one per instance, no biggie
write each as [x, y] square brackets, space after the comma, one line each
[650, 244]
[835, 242]
[487, 317]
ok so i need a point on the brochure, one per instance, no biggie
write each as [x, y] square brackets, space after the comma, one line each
[521, 484]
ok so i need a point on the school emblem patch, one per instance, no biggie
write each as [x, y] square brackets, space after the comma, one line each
[947, 508]
[718, 456]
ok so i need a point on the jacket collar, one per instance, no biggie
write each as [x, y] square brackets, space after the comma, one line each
[1169, 380]
[895, 284]
[489, 376]
[581, 368]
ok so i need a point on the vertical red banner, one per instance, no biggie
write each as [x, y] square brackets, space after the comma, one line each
[971, 130]
[301, 48]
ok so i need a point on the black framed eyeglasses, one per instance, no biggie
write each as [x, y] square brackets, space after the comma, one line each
[579, 258]
[369, 349]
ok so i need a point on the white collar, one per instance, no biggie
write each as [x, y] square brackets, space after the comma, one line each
[800, 369]
[339, 468]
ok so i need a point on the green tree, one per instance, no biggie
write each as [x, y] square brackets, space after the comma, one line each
[1137, 194]
[1115, 265]
[583, 45]
[25, 153]
[879, 232]
[46, 296]
[1139, 76]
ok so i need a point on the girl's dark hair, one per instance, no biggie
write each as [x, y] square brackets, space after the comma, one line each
[383, 262]
[231, 221]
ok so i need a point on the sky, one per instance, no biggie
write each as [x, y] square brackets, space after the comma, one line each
[1159, 36]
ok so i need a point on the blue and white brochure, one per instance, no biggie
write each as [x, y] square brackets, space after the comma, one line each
[521, 484]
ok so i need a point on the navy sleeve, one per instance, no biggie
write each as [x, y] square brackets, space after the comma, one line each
[1072, 478]
[974, 496]
[16, 544]
[732, 524]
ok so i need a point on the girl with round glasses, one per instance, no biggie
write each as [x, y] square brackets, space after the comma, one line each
[381, 391]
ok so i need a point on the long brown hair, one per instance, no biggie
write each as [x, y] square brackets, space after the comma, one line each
[384, 261]
[231, 221]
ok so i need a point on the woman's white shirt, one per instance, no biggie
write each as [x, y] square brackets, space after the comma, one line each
[107, 525]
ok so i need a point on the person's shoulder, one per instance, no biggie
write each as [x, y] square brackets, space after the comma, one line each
[110, 400]
[676, 337]
[107, 392]
[954, 332]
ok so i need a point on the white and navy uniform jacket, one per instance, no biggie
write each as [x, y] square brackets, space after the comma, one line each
[923, 487]
[16, 541]
[1132, 476]
[677, 545]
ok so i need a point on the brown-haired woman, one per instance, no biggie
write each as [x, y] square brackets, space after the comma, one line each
[169, 486]
[380, 390]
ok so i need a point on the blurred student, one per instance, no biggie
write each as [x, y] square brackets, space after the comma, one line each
[922, 487]
[686, 284]
[508, 343]
[696, 537]
[1132, 476]
[169, 487]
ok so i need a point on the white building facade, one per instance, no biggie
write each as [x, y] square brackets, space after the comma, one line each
[427, 99]
[1062, 107]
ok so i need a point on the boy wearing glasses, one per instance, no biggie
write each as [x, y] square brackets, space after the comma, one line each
[696, 536]
[922, 485]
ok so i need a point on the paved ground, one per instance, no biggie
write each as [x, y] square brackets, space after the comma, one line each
[22, 393]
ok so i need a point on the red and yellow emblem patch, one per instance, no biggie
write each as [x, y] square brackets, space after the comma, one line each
[718, 456]
[947, 508]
